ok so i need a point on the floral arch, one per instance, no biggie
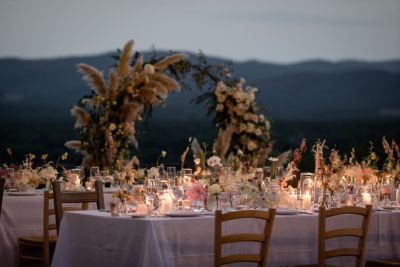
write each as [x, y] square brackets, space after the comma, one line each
[106, 117]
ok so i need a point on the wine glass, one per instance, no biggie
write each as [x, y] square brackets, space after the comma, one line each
[94, 172]
[178, 196]
[10, 178]
[161, 171]
[105, 178]
[171, 174]
[82, 169]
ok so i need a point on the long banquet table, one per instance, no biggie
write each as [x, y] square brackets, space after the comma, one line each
[94, 238]
[21, 216]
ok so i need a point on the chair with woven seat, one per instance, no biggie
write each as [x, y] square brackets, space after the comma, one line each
[64, 197]
[2, 182]
[262, 238]
[39, 248]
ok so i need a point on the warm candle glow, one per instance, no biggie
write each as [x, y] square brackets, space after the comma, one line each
[366, 198]
[307, 201]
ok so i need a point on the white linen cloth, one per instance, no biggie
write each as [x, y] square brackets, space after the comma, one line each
[92, 238]
[22, 216]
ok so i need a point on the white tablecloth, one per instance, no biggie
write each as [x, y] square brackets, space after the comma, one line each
[93, 238]
[21, 216]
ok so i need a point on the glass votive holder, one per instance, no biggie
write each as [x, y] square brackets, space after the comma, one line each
[114, 209]
[89, 185]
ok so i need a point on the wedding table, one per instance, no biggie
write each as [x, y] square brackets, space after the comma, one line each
[94, 238]
[22, 215]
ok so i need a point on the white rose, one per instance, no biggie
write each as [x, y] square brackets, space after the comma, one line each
[214, 161]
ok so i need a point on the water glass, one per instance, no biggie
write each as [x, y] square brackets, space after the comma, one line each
[82, 169]
[171, 173]
[10, 178]
[94, 171]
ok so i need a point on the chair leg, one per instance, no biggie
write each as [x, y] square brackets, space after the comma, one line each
[18, 252]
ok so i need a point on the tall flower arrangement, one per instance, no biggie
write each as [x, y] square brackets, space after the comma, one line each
[392, 161]
[241, 126]
[106, 117]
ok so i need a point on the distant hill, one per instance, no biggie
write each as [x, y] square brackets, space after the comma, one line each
[36, 95]
[302, 91]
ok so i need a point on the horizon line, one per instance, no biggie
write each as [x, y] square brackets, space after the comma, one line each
[223, 58]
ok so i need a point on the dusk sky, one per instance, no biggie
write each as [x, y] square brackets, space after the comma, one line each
[277, 31]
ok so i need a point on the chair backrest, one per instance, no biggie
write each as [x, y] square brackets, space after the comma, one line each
[2, 182]
[61, 197]
[47, 226]
[262, 238]
[360, 233]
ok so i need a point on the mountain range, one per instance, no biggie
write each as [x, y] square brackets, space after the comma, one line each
[43, 91]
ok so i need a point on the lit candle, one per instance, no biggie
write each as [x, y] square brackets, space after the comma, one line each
[78, 183]
[166, 203]
[307, 201]
[366, 198]
[89, 185]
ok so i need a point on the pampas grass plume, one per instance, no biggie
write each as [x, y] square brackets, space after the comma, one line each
[123, 66]
[93, 77]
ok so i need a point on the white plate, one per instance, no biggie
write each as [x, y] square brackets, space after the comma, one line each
[389, 207]
[138, 215]
[242, 207]
[183, 214]
[22, 193]
[280, 211]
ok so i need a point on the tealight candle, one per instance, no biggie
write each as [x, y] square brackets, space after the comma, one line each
[89, 186]
[78, 183]
[366, 198]
[166, 203]
[307, 201]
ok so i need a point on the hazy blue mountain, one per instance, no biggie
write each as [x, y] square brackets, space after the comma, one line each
[302, 99]
[301, 91]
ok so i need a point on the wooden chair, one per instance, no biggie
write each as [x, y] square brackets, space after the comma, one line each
[360, 233]
[39, 248]
[62, 197]
[263, 238]
[2, 182]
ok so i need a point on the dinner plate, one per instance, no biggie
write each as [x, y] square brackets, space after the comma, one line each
[389, 207]
[242, 207]
[183, 214]
[138, 215]
[280, 211]
[22, 193]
